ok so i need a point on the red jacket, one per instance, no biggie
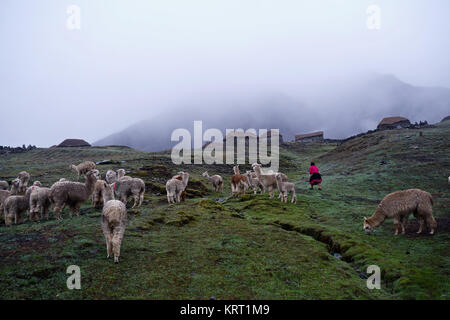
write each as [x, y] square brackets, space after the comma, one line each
[313, 169]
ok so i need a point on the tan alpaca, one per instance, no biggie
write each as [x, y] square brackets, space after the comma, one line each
[16, 206]
[73, 194]
[111, 176]
[254, 182]
[15, 186]
[239, 182]
[114, 221]
[4, 185]
[399, 205]
[175, 187]
[285, 189]
[39, 203]
[269, 181]
[23, 177]
[3, 195]
[121, 174]
[83, 168]
[97, 200]
[133, 187]
[216, 180]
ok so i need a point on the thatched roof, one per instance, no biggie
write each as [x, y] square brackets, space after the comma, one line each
[308, 135]
[391, 120]
[74, 143]
[445, 119]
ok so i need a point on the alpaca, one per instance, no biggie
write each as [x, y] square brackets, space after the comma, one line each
[37, 184]
[399, 205]
[39, 203]
[15, 186]
[285, 188]
[175, 187]
[114, 221]
[284, 178]
[121, 174]
[254, 181]
[97, 174]
[3, 195]
[72, 194]
[216, 180]
[269, 181]
[180, 177]
[111, 176]
[16, 206]
[4, 185]
[23, 177]
[97, 199]
[83, 168]
[124, 188]
[239, 182]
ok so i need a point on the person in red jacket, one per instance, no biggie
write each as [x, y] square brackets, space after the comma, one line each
[314, 176]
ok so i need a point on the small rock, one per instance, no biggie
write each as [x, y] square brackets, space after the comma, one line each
[337, 256]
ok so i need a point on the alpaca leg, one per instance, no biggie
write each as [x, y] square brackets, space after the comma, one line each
[117, 241]
[107, 234]
[396, 226]
[294, 198]
[431, 223]
[421, 223]
[141, 198]
[56, 212]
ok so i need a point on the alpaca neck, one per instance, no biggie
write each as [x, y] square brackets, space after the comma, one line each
[377, 218]
[90, 184]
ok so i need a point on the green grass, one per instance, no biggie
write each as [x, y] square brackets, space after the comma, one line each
[250, 247]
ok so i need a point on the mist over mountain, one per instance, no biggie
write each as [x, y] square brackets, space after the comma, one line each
[340, 110]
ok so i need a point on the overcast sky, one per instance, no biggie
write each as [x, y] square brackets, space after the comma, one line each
[132, 59]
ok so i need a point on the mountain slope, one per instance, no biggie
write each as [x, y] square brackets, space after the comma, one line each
[340, 112]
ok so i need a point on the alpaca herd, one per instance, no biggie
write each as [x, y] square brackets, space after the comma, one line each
[17, 199]
[38, 200]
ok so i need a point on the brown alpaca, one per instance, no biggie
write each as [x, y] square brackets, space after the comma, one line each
[133, 187]
[23, 177]
[399, 205]
[269, 181]
[97, 198]
[72, 194]
[239, 182]
[83, 168]
[3, 195]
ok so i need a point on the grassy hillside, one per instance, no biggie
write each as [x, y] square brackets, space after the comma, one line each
[251, 247]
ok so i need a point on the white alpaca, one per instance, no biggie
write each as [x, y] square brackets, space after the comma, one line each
[269, 181]
[254, 182]
[216, 180]
[114, 221]
[175, 187]
[111, 176]
[285, 188]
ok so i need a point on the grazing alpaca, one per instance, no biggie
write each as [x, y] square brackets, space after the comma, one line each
[216, 180]
[23, 177]
[175, 187]
[111, 176]
[39, 203]
[15, 186]
[285, 188]
[239, 182]
[4, 185]
[254, 181]
[83, 168]
[133, 187]
[16, 206]
[3, 195]
[72, 194]
[114, 221]
[399, 205]
[269, 181]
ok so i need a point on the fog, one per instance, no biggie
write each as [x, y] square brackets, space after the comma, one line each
[136, 60]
